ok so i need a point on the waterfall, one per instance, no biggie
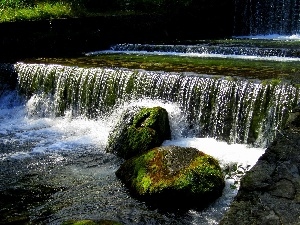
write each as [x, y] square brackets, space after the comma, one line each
[202, 49]
[231, 109]
[257, 17]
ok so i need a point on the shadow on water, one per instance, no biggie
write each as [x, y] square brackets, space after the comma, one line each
[48, 176]
[53, 188]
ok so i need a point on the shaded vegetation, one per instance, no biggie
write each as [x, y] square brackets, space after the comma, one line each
[49, 9]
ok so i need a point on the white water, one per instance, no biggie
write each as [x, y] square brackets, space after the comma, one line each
[267, 17]
[199, 55]
[20, 122]
[272, 37]
[225, 153]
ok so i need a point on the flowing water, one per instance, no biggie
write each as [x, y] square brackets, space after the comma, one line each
[209, 50]
[256, 17]
[60, 170]
[53, 135]
[237, 110]
[54, 127]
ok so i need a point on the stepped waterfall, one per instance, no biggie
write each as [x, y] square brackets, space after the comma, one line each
[55, 123]
[204, 49]
[256, 17]
[228, 98]
[232, 109]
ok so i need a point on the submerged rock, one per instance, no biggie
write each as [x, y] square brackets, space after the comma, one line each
[138, 131]
[91, 222]
[173, 177]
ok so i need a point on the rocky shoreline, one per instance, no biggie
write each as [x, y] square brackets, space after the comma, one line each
[270, 191]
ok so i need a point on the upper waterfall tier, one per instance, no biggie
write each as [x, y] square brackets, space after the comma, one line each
[239, 48]
[208, 49]
[255, 17]
[237, 110]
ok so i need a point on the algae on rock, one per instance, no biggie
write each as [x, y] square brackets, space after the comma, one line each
[91, 222]
[173, 177]
[139, 130]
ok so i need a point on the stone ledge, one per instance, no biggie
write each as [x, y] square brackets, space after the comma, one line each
[270, 192]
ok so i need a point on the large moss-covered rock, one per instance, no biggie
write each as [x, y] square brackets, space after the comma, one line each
[138, 131]
[173, 177]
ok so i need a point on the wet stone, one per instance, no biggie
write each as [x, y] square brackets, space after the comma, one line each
[284, 189]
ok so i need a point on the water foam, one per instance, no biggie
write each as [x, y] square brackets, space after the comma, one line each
[224, 152]
[199, 55]
[55, 135]
[20, 125]
[272, 37]
[68, 133]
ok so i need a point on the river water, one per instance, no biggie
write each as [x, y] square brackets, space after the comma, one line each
[53, 166]
[54, 169]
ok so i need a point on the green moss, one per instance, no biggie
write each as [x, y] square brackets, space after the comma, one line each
[153, 173]
[130, 83]
[141, 179]
[90, 222]
[80, 222]
[214, 66]
[146, 129]
[297, 86]
[140, 139]
[274, 81]
[146, 182]
[202, 174]
[150, 114]
[255, 125]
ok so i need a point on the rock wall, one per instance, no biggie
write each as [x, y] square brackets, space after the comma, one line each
[270, 191]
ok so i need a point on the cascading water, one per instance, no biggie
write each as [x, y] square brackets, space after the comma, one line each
[236, 110]
[54, 129]
[257, 17]
[202, 50]
[53, 136]
[235, 48]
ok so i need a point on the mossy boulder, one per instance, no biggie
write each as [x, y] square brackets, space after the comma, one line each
[173, 177]
[139, 130]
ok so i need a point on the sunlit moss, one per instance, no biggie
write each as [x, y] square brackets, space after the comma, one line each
[165, 170]
[214, 66]
[79, 222]
[146, 129]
